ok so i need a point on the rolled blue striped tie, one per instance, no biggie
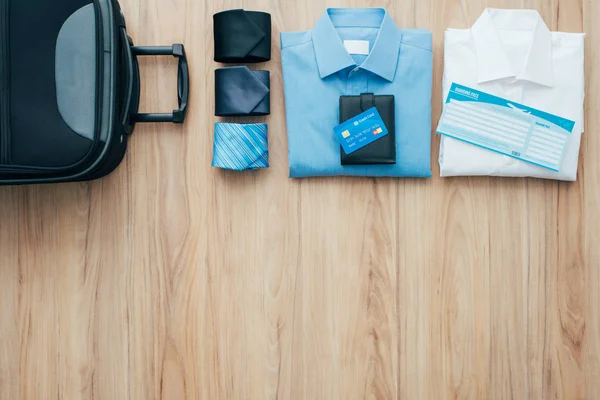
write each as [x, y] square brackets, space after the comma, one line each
[241, 147]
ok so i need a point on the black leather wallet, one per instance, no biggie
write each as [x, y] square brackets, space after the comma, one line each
[382, 151]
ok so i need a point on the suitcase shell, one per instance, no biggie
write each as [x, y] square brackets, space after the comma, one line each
[70, 89]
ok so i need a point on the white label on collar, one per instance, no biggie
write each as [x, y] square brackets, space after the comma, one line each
[359, 47]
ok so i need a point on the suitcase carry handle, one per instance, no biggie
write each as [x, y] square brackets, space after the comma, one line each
[183, 82]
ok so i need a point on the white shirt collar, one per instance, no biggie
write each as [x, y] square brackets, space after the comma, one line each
[492, 59]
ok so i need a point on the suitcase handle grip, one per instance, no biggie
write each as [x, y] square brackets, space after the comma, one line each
[183, 82]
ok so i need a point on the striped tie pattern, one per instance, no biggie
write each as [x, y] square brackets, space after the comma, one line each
[241, 147]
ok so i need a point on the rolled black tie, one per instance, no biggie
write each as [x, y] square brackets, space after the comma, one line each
[242, 92]
[242, 36]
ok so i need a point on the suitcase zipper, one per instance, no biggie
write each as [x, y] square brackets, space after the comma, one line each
[4, 82]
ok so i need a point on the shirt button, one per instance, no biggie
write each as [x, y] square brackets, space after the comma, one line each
[355, 69]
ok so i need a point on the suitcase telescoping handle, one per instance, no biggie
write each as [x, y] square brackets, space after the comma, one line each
[183, 82]
[130, 117]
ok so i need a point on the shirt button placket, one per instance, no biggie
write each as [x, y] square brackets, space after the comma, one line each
[349, 83]
[357, 82]
[363, 82]
[515, 92]
[354, 79]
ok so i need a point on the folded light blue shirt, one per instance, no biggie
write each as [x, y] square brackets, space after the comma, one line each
[317, 70]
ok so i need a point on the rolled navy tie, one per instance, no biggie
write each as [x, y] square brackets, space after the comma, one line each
[242, 92]
[242, 36]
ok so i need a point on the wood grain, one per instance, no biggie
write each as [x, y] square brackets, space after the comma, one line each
[172, 280]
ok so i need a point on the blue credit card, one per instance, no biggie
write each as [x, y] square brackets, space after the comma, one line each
[360, 131]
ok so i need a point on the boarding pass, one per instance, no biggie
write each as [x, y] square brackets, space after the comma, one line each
[505, 127]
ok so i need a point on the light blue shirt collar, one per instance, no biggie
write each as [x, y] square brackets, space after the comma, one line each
[331, 54]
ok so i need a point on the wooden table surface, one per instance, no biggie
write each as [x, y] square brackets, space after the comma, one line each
[170, 279]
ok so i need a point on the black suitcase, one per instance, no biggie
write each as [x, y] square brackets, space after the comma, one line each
[70, 89]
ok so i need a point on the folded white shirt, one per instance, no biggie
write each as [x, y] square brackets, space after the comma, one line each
[512, 54]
